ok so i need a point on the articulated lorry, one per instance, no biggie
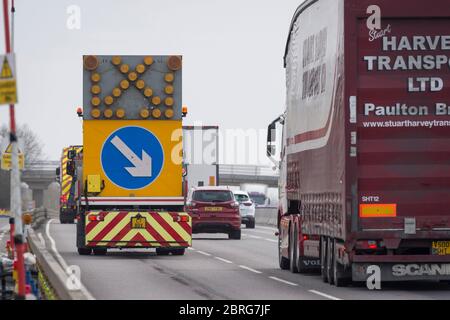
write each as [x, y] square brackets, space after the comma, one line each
[200, 156]
[365, 157]
[67, 184]
[129, 178]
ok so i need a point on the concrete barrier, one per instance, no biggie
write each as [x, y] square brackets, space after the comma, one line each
[266, 216]
[52, 271]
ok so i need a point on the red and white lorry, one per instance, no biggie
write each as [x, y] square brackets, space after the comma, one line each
[365, 155]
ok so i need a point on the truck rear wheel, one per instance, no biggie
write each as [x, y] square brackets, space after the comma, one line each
[162, 251]
[282, 261]
[178, 252]
[323, 259]
[84, 251]
[99, 251]
[341, 279]
[250, 224]
[293, 250]
[330, 260]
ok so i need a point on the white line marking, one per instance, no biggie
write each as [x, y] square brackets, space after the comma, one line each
[61, 259]
[224, 260]
[267, 228]
[190, 248]
[204, 253]
[324, 295]
[271, 240]
[254, 237]
[261, 232]
[283, 281]
[249, 269]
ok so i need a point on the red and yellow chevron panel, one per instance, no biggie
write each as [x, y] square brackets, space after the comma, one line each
[138, 229]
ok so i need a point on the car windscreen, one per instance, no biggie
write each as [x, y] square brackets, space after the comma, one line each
[241, 197]
[212, 196]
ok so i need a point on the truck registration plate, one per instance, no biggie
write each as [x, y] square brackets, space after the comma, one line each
[138, 222]
[213, 209]
[441, 248]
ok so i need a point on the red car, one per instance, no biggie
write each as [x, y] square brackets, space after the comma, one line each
[214, 210]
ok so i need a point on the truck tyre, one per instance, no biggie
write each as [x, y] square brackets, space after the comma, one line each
[282, 261]
[250, 224]
[340, 277]
[293, 250]
[99, 251]
[330, 262]
[235, 234]
[323, 259]
[84, 251]
[162, 251]
[178, 252]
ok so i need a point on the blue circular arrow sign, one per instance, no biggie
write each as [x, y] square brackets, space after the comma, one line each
[132, 157]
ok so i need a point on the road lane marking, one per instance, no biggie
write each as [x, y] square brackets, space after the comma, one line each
[224, 260]
[267, 228]
[271, 240]
[61, 260]
[249, 269]
[203, 253]
[190, 248]
[254, 237]
[261, 232]
[283, 281]
[324, 295]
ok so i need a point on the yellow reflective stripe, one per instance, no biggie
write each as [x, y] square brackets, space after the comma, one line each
[183, 234]
[114, 231]
[108, 218]
[162, 232]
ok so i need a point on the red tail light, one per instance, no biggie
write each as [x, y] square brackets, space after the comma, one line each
[180, 218]
[96, 217]
[63, 199]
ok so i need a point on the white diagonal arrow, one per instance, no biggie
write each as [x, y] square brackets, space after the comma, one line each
[142, 166]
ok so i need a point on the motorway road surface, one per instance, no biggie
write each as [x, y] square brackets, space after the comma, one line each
[214, 268]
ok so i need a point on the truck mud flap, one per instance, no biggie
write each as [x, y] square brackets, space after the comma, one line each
[401, 271]
[129, 229]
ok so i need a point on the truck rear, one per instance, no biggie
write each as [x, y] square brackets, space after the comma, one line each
[130, 185]
[67, 202]
[365, 169]
[201, 156]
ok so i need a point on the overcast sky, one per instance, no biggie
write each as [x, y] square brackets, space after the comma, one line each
[232, 51]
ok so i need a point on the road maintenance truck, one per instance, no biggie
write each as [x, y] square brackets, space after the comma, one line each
[129, 184]
[365, 155]
[67, 203]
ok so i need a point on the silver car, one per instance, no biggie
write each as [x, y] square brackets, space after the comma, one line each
[246, 208]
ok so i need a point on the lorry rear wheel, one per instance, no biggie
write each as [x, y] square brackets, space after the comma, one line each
[178, 252]
[293, 254]
[323, 259]
[282, 261]
[330, 260]
[84, 251]
[99, 251]
[162, 252]
[341, 279]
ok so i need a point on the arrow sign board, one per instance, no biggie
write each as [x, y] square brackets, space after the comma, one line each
[132, 157]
